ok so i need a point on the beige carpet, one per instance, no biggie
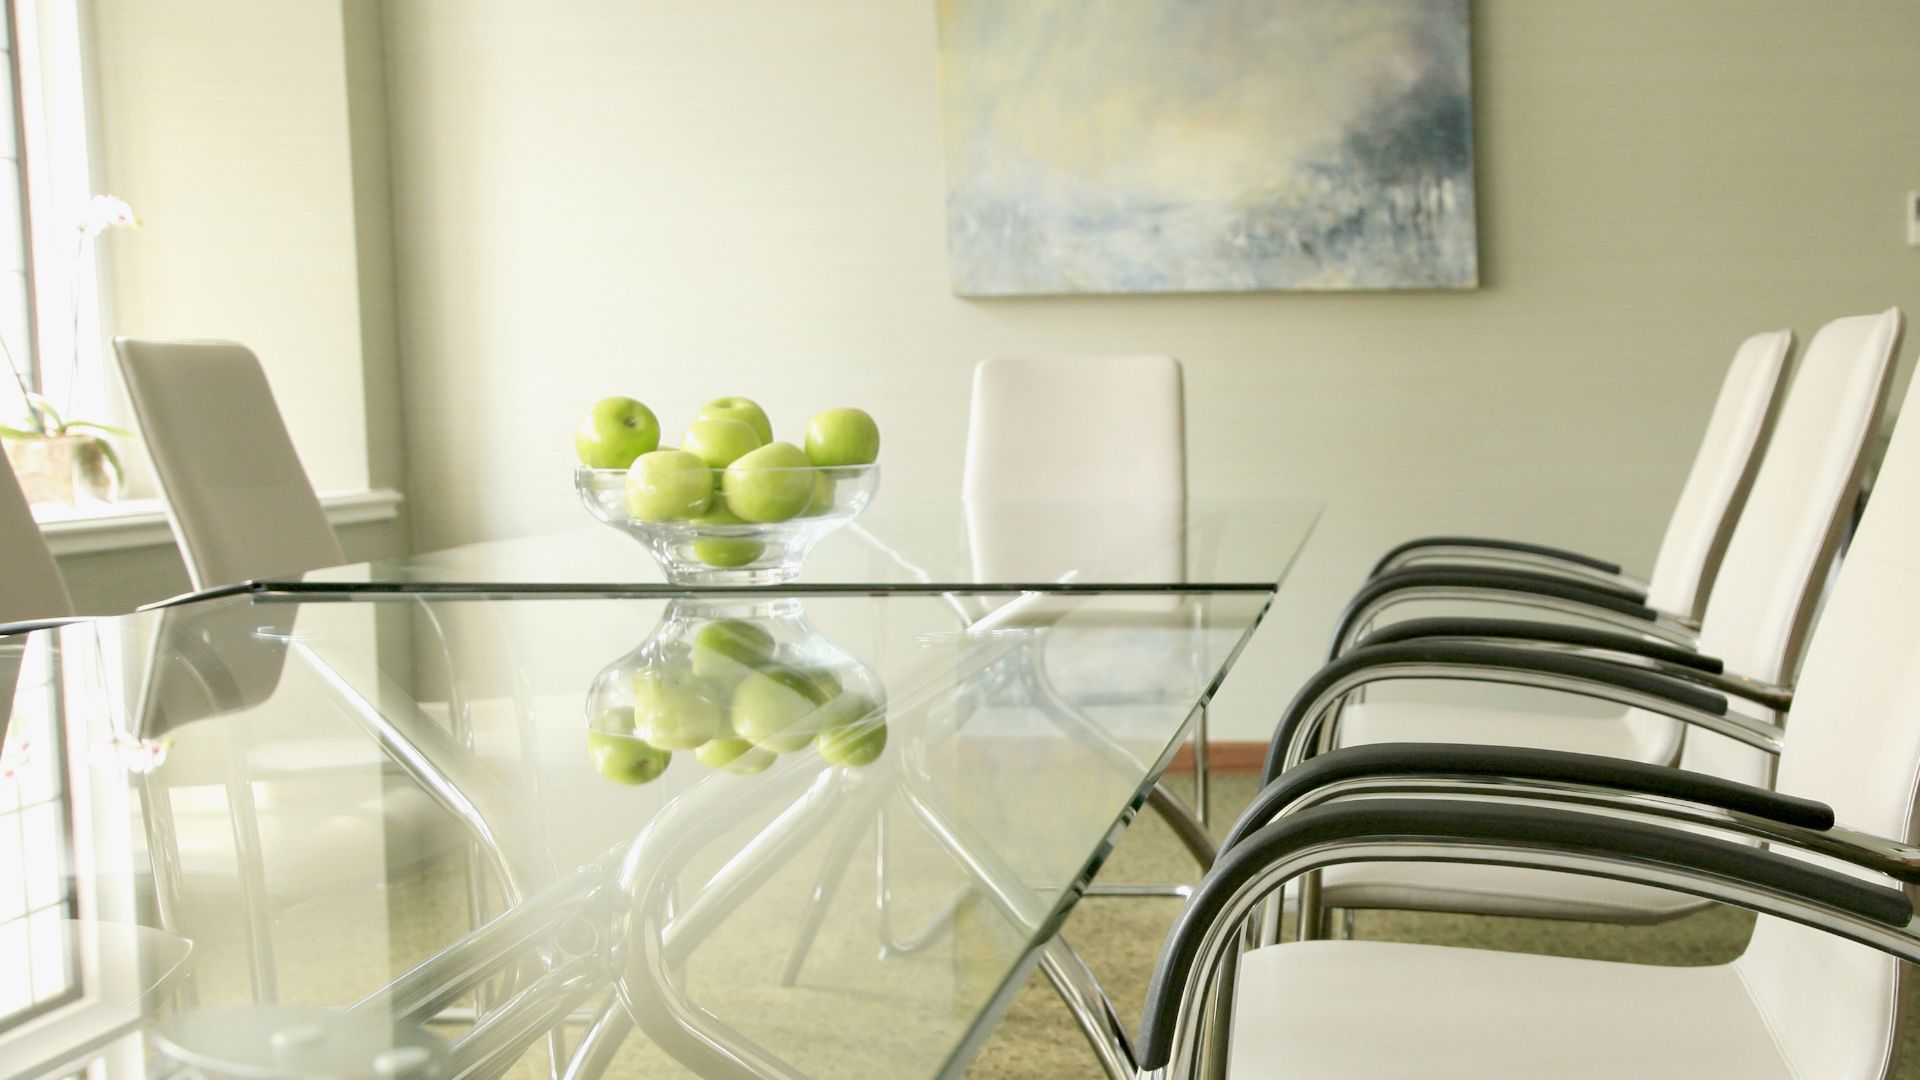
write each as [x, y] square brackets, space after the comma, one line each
[1121, 937]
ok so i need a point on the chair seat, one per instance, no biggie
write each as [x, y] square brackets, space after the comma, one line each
[1364, 1009]
[1629, 733]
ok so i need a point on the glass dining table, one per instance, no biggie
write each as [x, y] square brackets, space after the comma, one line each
[508, 810]
[901, 545]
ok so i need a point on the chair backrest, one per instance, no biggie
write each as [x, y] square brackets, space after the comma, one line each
[1103, 428]
[1076, 466]
[1721, 476]
[30, 583]
[1854, 743]
[1790, 530]
[240, 503]
[1763, 602]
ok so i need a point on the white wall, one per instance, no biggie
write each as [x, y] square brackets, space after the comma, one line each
[224, 123]
[677, 201]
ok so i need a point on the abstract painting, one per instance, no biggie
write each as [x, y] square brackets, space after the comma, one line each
[1146, 146]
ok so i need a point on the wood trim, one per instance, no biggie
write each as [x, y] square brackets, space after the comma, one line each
[1225, 755]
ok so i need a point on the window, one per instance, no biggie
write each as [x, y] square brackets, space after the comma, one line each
[34, 828]
[49, 290]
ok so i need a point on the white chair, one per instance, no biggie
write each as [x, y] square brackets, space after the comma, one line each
[240, 504]
[30, 583]
[1702, 521]
[1813, 994]
[1078, 469]
[1755, 625]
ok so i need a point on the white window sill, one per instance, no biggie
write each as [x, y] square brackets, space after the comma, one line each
[134, 523]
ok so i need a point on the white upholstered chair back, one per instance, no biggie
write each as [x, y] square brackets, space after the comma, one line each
[240, 503]
[1717, 484]
[1077, 465]
[30, 583]
[1097, 428]
[1790, 531]
[1853, 743]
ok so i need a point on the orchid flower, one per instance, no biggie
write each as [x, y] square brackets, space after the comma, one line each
[105, 212]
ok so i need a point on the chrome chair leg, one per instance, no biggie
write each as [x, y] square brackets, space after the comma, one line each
[1202, 770]
[929, 931]
[1091, 1008]
[250, 868]
[832, 869]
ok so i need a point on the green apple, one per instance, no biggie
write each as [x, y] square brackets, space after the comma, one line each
[727, 650]
[843, 437]
[720, 442]
[773, 483]
[853, 730]
[626, 759]
[822, 500]
[674, 708]
[773, 712]
[738, 408]
[669, 485]
[725, 551]
[731, 753]
[614, 432]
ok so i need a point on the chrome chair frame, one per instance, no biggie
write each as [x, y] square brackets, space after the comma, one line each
[1191, 1054]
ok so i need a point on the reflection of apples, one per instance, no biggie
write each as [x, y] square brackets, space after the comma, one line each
[725, 551]
[626, 759]
[669, 485]
[772, 710]
[719, 442]
[853, 730]
[819, 683]
[772, 483]
[739, 408]
[676, 709]
[726, 650]
[733, 754]
[843, 437]
[614, 432]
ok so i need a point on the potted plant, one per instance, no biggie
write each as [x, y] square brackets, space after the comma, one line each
[59, 460]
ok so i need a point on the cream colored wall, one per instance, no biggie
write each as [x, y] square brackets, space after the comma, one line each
[224, 123]
[252, 140]
[682, 200]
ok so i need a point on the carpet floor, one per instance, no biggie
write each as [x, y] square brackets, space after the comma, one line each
[1121, 937]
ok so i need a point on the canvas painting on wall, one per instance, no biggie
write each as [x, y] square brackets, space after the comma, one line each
[1145, 146]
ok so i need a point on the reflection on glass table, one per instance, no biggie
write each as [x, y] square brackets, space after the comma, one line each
[416, 837]
[907, 544]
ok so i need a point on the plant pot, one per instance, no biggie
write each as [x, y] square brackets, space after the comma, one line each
[68, 470]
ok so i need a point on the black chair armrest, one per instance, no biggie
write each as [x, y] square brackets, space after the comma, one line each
[1525, 763]
[1673, 857]
[1309, 701]
[1380, 590]
[1559, 554]
[1554, 633]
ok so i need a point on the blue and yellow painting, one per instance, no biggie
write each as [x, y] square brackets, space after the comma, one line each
[1146, 146]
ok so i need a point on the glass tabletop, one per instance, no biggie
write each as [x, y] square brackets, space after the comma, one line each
[423, 836]
[905, 545]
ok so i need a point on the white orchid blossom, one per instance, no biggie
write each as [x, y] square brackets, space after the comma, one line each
[105, 212]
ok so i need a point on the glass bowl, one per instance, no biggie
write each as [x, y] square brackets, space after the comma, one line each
[716, 546]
